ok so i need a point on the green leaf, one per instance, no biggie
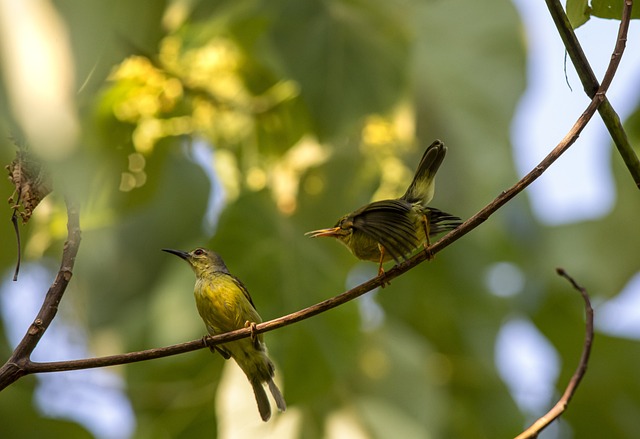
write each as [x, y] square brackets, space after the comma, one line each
[578, 12]
[611, 9]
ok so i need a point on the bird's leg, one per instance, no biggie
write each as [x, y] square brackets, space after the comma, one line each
[254, 335]
[380, 269]
[215, 349]
[427, 241]
[226, 355]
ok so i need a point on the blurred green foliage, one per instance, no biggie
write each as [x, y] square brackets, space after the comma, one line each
[312, 109]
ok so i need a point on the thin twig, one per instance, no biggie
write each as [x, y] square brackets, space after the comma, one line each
[563, 402]
[14, 215]
[16, 228]
[590, 83]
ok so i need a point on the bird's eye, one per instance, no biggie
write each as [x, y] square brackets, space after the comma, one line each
[198, 252]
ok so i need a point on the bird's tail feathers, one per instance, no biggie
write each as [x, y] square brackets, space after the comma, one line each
[422, 187]
[261, 398]
[277, 395]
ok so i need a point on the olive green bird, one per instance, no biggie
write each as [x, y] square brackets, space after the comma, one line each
[225, 305]
[393, 229]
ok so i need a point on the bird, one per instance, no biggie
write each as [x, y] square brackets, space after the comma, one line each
[394, 228]
[224, 304]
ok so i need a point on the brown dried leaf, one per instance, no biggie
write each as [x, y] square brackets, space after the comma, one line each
[32, 183]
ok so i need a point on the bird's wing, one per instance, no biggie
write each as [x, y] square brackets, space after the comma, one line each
[251, 315]
[244, 290]
[389, 223]
[440, 221]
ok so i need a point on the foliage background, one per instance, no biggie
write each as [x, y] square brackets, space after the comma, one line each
[312, 109]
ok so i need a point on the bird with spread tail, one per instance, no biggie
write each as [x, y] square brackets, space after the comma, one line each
[225, 305]
[393, 229]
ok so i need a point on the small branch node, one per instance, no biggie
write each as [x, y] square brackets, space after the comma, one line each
[66, 274]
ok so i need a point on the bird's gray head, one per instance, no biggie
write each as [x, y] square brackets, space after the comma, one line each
[201, 260]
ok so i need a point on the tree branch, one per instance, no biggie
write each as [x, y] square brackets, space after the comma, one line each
[590, 83]
[347, 296]
[563, 402]
[19, 362]
[25, 366]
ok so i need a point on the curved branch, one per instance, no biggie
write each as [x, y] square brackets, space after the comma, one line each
[563, 402]
[19, 363]
[590, 83]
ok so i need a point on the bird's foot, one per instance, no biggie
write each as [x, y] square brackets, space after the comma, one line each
[428, 252]
[254, 334]
[427, 241]
[380, 269]
[381, 274]
[205, 341]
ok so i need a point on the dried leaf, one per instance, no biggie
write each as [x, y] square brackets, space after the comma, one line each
[32, 183]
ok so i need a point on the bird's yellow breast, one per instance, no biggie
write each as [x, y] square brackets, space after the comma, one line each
[222, 304]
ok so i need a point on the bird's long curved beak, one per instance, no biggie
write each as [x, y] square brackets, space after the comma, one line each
[333, 231]
[178, 253]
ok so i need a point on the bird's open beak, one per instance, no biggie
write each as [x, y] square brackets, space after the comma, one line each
[333, 231]
[178, 253]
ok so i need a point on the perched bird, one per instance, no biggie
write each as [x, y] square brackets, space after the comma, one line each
[225, 305]
[393, 229]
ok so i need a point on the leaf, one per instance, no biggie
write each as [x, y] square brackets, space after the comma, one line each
[578, 12]
[611, 9]
[32, 182]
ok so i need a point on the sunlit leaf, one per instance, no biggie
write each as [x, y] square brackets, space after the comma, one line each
[578, 12]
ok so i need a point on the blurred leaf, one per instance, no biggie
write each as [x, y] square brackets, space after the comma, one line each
[109, 31]
[20, 416]
[458, 103]
[402, 381]
[119, 260]
[329, 46]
